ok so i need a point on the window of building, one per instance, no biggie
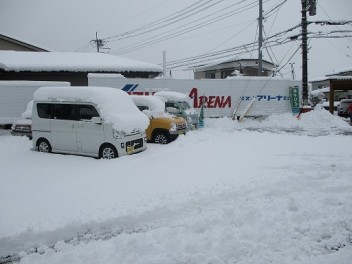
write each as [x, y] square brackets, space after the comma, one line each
[210, 75]
[225, 74]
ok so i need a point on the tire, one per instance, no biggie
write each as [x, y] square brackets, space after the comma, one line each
[161, 138]
[108, 151]
[43, 146]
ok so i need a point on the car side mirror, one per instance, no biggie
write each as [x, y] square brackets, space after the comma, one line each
[97, 120]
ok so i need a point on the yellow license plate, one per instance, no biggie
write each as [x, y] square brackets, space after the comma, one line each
[130, 149]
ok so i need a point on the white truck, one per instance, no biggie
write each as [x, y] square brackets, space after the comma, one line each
[15, 96]
[235, 97]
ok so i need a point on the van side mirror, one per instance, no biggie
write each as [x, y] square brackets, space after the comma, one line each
[172, 110]
[97, 120]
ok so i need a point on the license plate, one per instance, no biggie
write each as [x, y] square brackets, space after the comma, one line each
[130, 150]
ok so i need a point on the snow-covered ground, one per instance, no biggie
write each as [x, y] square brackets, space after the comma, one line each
[261, 191]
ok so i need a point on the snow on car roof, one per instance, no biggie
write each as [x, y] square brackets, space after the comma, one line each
[152, 102]
[115, 106]
[175, 96]
[28, 113]
[70, 61]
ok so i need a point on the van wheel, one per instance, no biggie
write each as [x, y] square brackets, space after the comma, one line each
[108, 151]
[161, 138]
[43, 146]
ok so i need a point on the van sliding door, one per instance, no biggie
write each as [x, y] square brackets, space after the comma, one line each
[89, 135]
[63, 130]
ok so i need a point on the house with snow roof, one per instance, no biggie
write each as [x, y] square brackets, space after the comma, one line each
[247, 67]
[336, 86]
[340, 79]
[10, 43]
[73, 67]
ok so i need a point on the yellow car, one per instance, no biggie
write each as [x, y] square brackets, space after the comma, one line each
[163, 127]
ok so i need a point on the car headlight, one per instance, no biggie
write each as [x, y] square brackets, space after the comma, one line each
[173, 127]
[118, 134]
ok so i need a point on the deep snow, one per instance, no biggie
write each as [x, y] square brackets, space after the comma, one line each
[261, 191]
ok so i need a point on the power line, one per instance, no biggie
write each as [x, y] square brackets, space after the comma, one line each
[328, 15]
[270, 42]
[199, 24]
[168, 20]
[237, 33]
[275, 8]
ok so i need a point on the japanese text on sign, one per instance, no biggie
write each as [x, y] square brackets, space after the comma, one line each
[266, 98]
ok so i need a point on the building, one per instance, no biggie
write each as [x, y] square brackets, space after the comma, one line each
[8, 43]
[336, 86]
[72, 67]
[247, 67]
[343, 75]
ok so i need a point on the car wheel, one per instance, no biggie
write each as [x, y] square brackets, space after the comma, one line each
[161, 138]
[108, 152]
[43, 146]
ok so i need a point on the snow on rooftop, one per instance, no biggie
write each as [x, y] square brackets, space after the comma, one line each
[340, 71]
[332, 77]
[115, 106]
[33, 83]
[71, 61]
[105, 75]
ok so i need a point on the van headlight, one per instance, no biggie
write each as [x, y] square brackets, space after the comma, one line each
[173, 127]
[118, 134]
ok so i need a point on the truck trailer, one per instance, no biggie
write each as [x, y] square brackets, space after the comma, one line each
[232, 97]
[15, 96]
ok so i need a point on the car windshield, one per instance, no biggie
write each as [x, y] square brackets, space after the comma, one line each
[142, 107]
[185, 105]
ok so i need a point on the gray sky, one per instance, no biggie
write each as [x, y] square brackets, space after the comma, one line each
[214, 26]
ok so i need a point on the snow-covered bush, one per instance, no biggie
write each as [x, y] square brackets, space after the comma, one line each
[316, 97]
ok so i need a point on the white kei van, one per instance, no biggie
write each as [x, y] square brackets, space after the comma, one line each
[100, 122]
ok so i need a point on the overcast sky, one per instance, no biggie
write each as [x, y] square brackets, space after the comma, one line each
[183, 28]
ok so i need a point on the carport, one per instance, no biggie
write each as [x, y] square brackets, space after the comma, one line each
[340, 83]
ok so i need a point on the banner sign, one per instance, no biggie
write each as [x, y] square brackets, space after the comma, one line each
[294, 99]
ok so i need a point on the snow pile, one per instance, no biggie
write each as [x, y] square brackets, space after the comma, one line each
[115, 106]
[316, 122]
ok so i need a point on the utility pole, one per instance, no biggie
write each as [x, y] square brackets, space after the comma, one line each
[260, 39]
[164, 64]
[304, 54]
[307, 5]
[98, 42]
[293, 71]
